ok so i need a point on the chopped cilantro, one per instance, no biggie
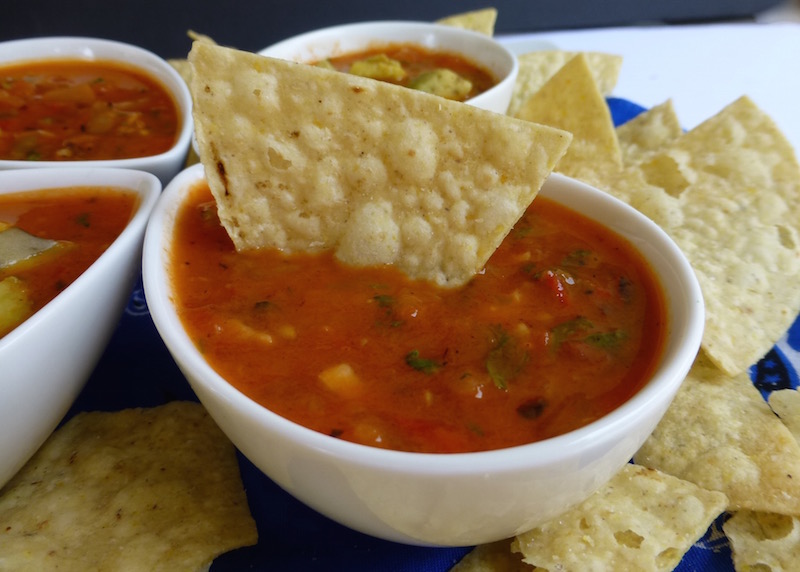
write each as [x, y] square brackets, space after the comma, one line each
[422, 364]
[569, 329]
[578, 330]
[384, 300]
[625, 288]
[387, 302]
[506, 358]
[475, 428]
[522, 231]
[83, 220]
[606, 340]
[579, 257]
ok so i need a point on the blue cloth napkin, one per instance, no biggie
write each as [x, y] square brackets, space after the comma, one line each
[136, 370]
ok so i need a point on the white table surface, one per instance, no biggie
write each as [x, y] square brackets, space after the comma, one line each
[701, 68]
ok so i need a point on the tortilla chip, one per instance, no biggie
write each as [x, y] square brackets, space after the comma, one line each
[629, 185]
[301, 158]
[648, 133]
[183, 68]
[764, 542]
[720, 434]
[641, 520]
[536, 69]
[182, 65]
[140, 489]
[494, 557]
[571, 101]
[738, 183]
[786, 405]
[481, 21]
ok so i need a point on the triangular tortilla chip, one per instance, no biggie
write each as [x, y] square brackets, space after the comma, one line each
[720, 434]
[640, 520]
[648, 133]
[629, 185]
[306, 159]
[728, 193]
[182, 65]
[571, 101]
[481, 21]
[738, 183]
[536, 68]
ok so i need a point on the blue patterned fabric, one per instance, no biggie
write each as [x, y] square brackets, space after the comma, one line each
[137, 371]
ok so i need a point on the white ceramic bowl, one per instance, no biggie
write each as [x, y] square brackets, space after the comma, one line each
[447, 499]
[478, 48]
[47, 359]
[164, 165]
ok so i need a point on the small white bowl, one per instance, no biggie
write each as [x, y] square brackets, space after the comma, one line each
[478, 48]
[47, 359]
[164, 165]
[441, 499]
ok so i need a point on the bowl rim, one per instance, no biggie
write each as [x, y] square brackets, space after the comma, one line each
[146, 185]
[428, 30]
[150, 63]
[612, 426]
[374, 27]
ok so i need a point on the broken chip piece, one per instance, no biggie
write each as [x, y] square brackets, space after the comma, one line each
[138, 489]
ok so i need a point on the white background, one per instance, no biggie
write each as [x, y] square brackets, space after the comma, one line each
[701, 68]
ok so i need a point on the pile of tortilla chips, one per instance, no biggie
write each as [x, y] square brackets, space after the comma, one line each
[728, 192]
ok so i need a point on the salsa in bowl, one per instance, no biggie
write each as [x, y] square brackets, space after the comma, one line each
[425, 486]
[71, 251]
[452, 62]
[91, 102]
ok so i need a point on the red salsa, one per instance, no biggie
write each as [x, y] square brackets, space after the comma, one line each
[442, 73]
[77, 225]
[65, 110]
[565, 323]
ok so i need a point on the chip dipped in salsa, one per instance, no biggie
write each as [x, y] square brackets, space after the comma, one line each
[565, 323]
[75, 110]
[441, 73]
[50, 237]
